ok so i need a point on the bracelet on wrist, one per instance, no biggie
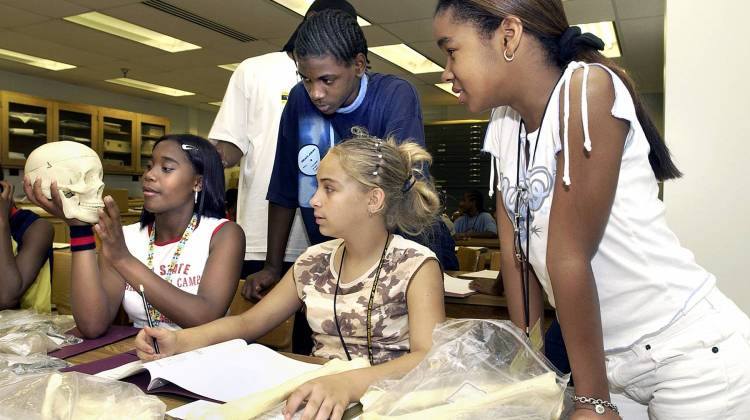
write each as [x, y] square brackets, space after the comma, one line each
[598, 405]
[82, 238]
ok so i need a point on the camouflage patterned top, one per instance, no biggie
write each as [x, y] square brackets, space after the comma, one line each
[315, 276]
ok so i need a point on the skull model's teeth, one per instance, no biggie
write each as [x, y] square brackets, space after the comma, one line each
[92, 205]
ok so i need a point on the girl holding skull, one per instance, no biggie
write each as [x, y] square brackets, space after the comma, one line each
[183, 253]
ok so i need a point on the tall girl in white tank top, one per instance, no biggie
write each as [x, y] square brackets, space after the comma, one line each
[577, 162]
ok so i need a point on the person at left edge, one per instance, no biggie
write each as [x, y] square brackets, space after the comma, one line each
[25, 255]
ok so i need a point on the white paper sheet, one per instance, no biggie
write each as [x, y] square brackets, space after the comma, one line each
[475, 248]
[484, 274]
[196, 406]
[120, 372]
[457, 287]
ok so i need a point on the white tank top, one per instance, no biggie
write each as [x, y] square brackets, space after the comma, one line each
[188, 271]
[644, 278]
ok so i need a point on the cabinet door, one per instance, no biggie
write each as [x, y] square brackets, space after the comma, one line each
[458, 164]
[150, 129]
[78, 123]
[27, 124]
[118, 141]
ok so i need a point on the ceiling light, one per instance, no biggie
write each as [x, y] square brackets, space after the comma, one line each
[114, 26]
[448, 87]
[215, 104]
[300, 7]
[406, 58]
[34, 61]
[230, 67]
[164, 90]
[605, 31]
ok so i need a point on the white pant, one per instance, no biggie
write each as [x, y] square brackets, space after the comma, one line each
[697, 368]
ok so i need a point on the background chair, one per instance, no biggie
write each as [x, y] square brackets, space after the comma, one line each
[470, 259]
[495, 260]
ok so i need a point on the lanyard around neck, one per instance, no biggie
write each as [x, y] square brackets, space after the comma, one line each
[369, 304]
[522, 193]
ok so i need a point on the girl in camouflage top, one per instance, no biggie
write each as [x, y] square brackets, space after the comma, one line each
[369, 293]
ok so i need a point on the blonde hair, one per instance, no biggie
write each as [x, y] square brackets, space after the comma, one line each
[411, 203]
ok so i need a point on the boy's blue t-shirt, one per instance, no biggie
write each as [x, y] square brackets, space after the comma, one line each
[385, 106]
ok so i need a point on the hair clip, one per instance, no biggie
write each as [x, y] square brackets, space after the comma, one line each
[409, 183]
[188, 147]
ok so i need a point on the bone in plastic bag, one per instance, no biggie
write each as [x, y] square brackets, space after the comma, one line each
[26, 332]
[476, 369]
[73, 395]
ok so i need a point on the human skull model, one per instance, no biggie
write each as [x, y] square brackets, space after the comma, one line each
[78, 172]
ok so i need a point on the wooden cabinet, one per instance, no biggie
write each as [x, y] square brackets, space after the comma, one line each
[458, 163]
[119, 144]
[76, 122]
[26, 124]
[122, 139]
[150, 129]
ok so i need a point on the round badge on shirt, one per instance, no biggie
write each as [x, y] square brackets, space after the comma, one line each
[308, 159]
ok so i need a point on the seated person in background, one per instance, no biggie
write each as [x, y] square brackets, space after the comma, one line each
[186, 256]
[474, 221]
[25, 255]
[367, 188]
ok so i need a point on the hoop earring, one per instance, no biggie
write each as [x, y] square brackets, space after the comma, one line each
[505, 56]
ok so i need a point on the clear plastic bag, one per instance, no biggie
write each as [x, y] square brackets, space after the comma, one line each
[33, 363]
[26, 332]
[476, 369]
[73, 395]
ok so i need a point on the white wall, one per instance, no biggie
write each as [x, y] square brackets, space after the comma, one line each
[707, 107]
[183, 119]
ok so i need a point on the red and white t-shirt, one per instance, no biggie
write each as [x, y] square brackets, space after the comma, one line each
[188, 271]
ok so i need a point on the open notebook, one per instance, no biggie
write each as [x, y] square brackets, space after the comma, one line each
[222, 372]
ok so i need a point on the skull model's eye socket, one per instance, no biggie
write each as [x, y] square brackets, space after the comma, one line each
[69, 194]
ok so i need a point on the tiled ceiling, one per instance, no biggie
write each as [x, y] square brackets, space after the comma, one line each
[36, 27]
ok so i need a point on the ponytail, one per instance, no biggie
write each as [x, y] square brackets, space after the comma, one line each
[411, 202]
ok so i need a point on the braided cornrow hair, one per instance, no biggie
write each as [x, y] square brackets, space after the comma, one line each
[331, 32]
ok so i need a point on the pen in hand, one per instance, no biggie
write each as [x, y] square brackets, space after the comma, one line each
[148, 318]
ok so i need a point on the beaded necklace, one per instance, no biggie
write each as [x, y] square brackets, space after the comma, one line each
[155, 314]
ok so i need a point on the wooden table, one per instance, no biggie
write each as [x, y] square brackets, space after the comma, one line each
[490, 243]
[172, 401]
[483, 306]
[477, 306]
